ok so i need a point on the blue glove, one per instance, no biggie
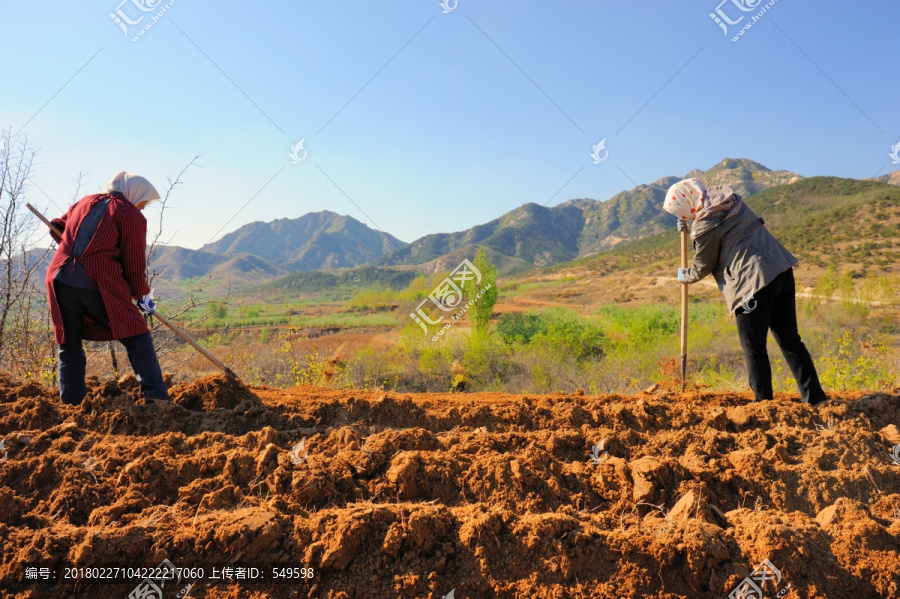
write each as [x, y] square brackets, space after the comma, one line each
[681, 272]
[681, 226]
[146, 304]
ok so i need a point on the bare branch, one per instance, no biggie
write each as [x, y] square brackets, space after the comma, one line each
[79, 183]
[153, 246]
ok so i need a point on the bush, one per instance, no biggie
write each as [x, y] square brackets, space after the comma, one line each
[647, 326]
[217, 310]
[518, 327]
[559, 329]
[849, 363]
[373, 298]
[418, 288]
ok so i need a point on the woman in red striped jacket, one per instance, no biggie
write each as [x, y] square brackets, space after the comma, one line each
[98, 269]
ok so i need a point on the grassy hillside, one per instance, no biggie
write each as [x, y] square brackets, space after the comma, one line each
[528, 237]
[177, 267]
[892, 178]
[746, 177]
[342, 283]
[822, 220]
[531, 235]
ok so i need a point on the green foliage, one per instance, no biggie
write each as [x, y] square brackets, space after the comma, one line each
[418, 288]
[251, 312]
[518, 327]
[482, 295]
[217, 310]
[312, 372]
[850, 299]
[217, 339]
[488, 362]
[381, 297]
[851, 364]
[347, 321]
[622, 349]
[348, 280]
[560, 331]
[827, 284]
[373, 368]
[43, 370]
[316, 369]
[435, 358]
[372, 298]
[646, 326]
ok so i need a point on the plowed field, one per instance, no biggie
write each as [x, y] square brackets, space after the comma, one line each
[486, 495]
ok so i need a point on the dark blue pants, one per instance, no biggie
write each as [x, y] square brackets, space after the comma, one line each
[74, 303]
[776, 309]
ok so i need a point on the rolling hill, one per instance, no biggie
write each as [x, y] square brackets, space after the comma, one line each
[176, 267]
[534, 236]
[319, 281]
[318, 240]
[850, 223]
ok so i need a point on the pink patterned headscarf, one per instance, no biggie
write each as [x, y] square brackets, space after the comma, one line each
[685, 199]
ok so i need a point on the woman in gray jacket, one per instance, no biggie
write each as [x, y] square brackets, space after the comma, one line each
[755, 274]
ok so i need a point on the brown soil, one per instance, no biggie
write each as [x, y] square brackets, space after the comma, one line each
[492, 495]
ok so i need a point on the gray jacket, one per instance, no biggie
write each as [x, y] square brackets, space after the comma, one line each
[742, 256]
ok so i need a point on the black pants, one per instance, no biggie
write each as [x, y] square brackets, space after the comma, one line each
[74, 302]
[774, 307]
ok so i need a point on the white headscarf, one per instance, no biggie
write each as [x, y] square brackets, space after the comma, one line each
[685, 199]
[135, 188]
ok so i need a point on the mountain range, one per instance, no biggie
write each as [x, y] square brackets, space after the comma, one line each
[318, 240]
[534, 236]
[527, 237]
[530, 236]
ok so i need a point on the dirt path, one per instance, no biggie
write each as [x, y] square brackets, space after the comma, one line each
[488, 495]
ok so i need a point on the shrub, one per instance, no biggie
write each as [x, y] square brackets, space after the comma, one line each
[217, 310]
[518, 327]
[852, 364]
[373, 298]
[647, 326]
[560, 330]
[417, 289]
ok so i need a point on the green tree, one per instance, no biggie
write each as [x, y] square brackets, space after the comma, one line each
[827, 284]
[217, 310]
[482, 294]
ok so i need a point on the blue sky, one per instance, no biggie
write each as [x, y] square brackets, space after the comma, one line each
[416, 121]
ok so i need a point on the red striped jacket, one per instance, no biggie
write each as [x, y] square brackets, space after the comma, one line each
[114, 260]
